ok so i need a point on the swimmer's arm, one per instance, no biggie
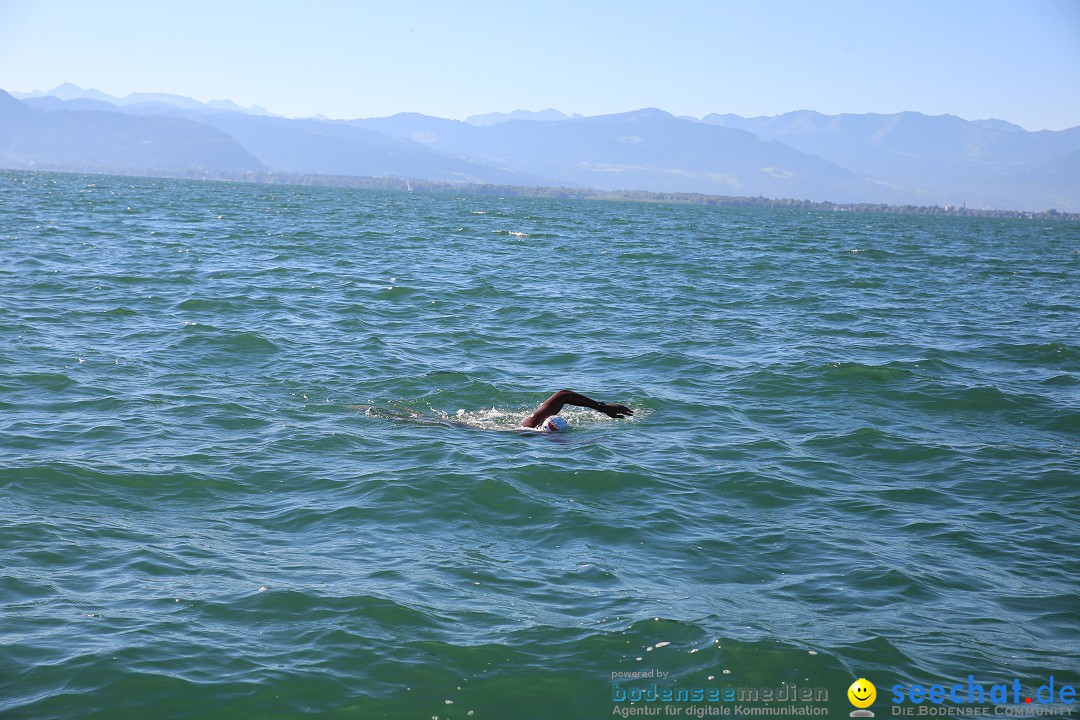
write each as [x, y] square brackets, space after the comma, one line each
[556, 402]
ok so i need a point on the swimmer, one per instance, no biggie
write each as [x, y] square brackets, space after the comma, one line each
[547, 415]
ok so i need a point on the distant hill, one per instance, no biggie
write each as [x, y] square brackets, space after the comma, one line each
[67, 91]
[495, 118]
[943, 159]
[643, 150]
[95, 141]
[93, 129]
[337, 148]
[900, 159]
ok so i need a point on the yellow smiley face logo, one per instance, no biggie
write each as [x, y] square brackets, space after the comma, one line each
[862, 693]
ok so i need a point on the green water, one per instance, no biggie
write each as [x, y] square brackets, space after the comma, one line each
[257, 456]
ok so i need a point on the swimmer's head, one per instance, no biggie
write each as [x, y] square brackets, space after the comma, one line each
[555, 424]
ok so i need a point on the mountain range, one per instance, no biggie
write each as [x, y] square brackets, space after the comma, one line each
[902, 158]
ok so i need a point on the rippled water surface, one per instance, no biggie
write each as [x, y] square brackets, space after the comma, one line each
[257, 455]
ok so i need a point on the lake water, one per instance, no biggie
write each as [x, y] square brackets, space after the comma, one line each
[258, 458]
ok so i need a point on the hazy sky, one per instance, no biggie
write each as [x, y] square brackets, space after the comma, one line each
[1018, 60]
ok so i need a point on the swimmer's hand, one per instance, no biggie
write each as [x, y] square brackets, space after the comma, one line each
[556, 402]
[614, 410]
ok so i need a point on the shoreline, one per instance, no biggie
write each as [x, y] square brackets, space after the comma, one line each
[402, 184]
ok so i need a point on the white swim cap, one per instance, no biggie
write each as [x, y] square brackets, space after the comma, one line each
[555, 424]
